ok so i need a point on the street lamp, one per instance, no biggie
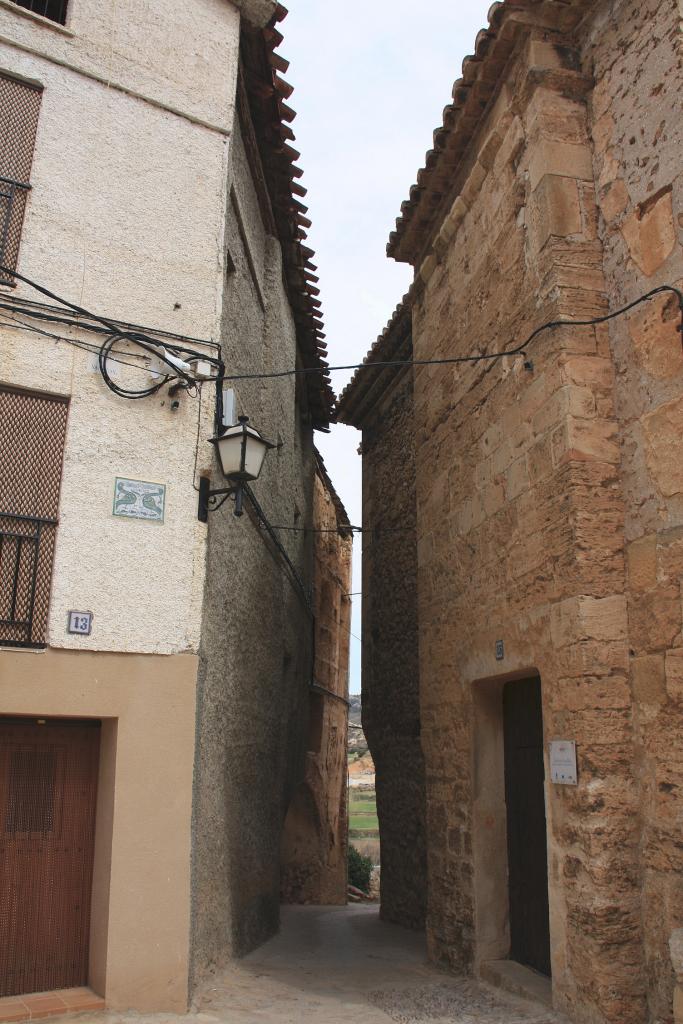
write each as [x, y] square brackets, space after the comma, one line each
[241, 451]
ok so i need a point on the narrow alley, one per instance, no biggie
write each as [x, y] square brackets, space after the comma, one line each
[341, 664]
[337, 965]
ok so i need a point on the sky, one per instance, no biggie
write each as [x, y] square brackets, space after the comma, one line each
[371, 79]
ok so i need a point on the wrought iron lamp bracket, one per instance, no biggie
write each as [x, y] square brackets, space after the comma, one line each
[208, 498]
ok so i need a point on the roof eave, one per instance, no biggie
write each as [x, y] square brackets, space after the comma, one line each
[482, 75]
[394, 343]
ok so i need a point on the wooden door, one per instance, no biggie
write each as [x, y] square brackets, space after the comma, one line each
[48, 791]
[526, 825]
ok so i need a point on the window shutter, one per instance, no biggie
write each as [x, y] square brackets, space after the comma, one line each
[19, 107]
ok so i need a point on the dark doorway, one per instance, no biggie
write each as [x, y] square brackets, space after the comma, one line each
[526, 826]
[48, 791]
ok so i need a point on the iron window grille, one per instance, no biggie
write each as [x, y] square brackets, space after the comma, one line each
[32, 433]
[55, 10]
[19, 108]
[26, 552]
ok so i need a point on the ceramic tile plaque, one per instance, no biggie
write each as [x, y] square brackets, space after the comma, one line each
[139, 499]
[79, 623]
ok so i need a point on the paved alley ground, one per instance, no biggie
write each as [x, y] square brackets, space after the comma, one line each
[337, 965]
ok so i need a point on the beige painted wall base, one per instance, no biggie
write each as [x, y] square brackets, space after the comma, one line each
[139, 941]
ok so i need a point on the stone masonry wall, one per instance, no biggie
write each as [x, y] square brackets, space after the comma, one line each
[390, 679]
[520, 517]
[633, 49]
[314, 839]
[256, 654]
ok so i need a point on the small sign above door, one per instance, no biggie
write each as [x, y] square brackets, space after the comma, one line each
[563, 763]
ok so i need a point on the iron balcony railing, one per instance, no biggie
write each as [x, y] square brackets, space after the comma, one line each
[26, 552]
[12, 203]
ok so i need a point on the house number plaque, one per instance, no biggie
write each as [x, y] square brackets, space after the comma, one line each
[563, 763]
[79, 623]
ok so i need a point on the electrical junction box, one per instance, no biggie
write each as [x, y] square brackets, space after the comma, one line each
[229, 407]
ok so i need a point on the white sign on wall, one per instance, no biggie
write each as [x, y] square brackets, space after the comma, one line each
[563, 763]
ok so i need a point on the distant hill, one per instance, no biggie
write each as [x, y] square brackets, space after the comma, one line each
[354, 709]
[357, 744]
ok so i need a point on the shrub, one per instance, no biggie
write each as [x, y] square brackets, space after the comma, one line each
[360, 869]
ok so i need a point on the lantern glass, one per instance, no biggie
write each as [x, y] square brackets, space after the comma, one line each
[241, 451]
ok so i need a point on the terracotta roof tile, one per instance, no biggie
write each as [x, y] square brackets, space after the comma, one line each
[269, 113]
[394, 343]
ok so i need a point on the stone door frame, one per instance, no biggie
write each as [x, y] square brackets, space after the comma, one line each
[489, 818]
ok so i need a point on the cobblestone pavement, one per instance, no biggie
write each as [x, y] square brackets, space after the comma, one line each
[338, 965]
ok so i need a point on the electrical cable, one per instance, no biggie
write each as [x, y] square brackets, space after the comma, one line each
[43, 311]
[344, 529]
[150, 344]
[299, 584]
[153, 346]
[75, 343]
[483, 356]
[196, 441]
[114, 334]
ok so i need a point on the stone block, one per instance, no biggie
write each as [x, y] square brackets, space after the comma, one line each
[663, 430]
[647, 676]
[472, 186]
[673, 669]
[553, 412]
[565, 159]
[655, 618]
[670, 552]
[601, 98]
[611, 168]
[543, 54]
[512, 144]
[656, 339]
[593, 371]
[641, 561]
[428, 267]
[454, 218]
[591, 439]
[603, 618]
[596, 658]
[489, 149]
[581, 402]
[579, 694]
[539, 461]
[516, 479]
[613, 200]
[649, 232]
[493, 498]
[588, 618]
[602, 132]
[556, 210]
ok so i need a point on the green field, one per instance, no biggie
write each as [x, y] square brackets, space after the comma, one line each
[363, 814]
[364, 823]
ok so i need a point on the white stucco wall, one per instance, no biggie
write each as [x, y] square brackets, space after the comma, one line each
[127, 218]
[179, 54]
